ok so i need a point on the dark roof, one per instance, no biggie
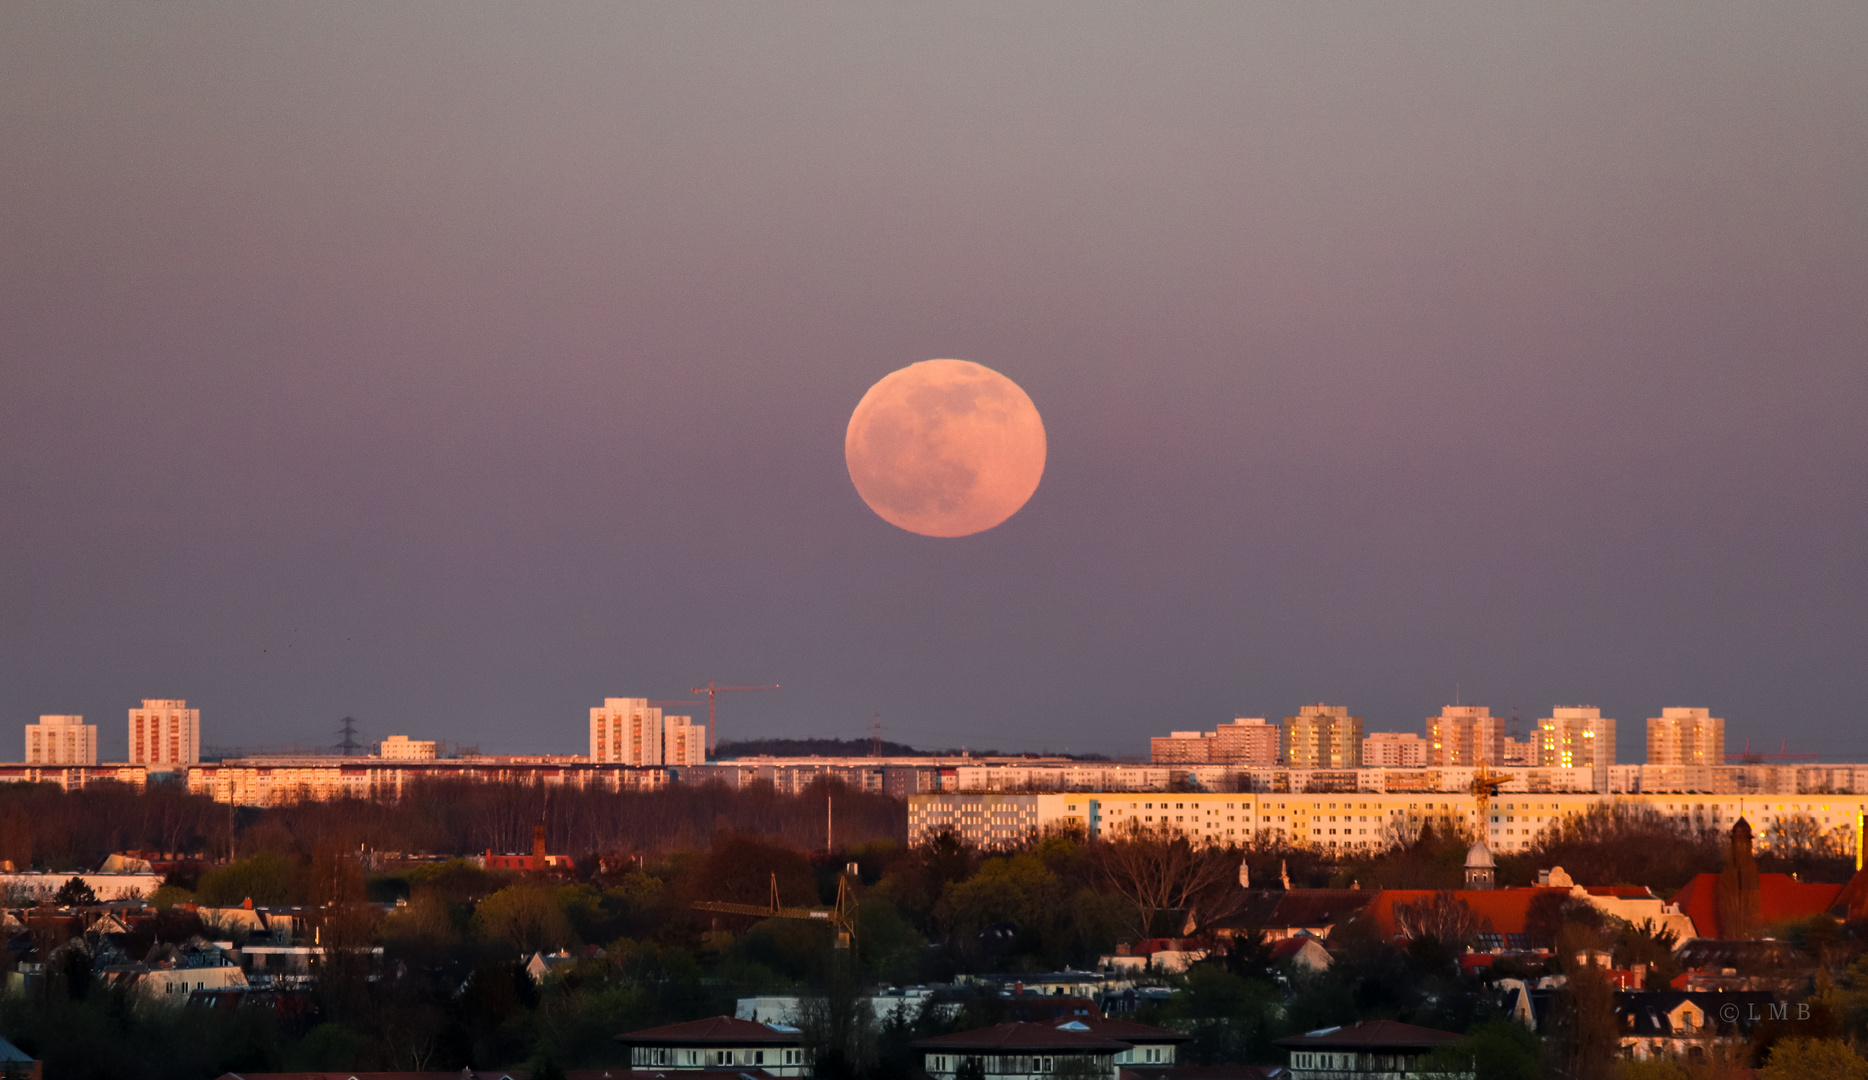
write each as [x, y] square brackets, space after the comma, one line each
[714, 1031]
[1284, 908]
[1021, 1037]
[1124, 1030]
[624, 1072]
[1203, 1072]
[1372, 1035]
[483, 1074]
[1648, 1006]
[1746, 957]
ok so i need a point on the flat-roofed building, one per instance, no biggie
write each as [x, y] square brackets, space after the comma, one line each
[1394, 750]
[1685, 737]
[1248, 740]
[61, 740]
[165, 731]
[683, 741]
[626, 731]
[1181, 748]
[403, 748]
[1323, 737]
[1577, 737]
[1462, 736]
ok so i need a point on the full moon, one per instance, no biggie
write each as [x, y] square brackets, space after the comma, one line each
[945, 448]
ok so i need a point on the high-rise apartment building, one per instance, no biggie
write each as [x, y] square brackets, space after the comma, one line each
[1394, 750]
[1521, 752]
[1685, 737]
[683, 741]
[61, 740]
[1248, 740]
[626, 731]
[403, 748]
[1323, 737]
[165, 731]
[1577, 737]
[1462, 736]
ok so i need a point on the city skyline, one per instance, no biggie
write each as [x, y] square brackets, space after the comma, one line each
[454, 380]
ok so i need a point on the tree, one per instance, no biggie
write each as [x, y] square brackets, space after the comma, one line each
[526, 917]
[1801, 1059]
[1444, 917]
[74, 893]
[1584, 1039]
[1494, 1050]
[1159, 872]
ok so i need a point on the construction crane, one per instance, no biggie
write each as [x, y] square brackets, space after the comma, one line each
[842, 917]
[713, 729]
[1485, 785]
[1751, 757]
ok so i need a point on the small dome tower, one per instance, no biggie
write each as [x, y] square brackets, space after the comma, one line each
[1481, 871]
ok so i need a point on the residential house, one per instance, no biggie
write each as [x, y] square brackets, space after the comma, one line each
[1373, 1050]
[1021, 1051]
[720, 1043]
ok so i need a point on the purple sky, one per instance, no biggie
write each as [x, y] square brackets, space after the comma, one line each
[455, 366]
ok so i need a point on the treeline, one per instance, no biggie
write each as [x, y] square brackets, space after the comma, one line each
[44, 828]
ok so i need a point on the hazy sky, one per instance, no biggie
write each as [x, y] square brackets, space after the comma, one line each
[454, 366]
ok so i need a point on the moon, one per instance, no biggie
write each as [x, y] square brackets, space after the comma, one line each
[945, 448]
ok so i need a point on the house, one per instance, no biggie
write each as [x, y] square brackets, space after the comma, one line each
[1147, 1044]
[1768, 965]
[1302, 951]
[170, 973]
[719, 1043]
[1373, 1050]
[543, 964]
[242, 922]
[1688, 1025]
[1171, 955]
[1283, 913]
[23, 1065]
[1021, 1051]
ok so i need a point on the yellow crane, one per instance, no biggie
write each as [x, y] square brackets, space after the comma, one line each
[842, 917]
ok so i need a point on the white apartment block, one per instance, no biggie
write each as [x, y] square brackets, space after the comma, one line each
[1577, 737]
[403, 748]
[1349, 822]
[1462, 736]
[1323, 737]
[683, 741]
[165, 731]
[61, 740]
[626, 731]
[1394, 750]
[1685, 737]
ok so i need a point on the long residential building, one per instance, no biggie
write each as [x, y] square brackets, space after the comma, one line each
[1356, 821]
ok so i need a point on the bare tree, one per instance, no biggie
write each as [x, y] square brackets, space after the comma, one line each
[1442, 916]
[1157, 871]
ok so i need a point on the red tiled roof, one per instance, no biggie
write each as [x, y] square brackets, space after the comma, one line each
[1020, 1037]
[1505, 909]
[1780, 899]
[715, 1031]
[1373, 1035]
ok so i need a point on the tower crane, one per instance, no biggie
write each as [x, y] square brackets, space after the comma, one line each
[711, 689]
[841, 917]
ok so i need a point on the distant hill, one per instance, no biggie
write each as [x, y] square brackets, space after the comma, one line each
[737, 748]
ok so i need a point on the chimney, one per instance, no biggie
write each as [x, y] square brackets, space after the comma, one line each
[538, 847]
